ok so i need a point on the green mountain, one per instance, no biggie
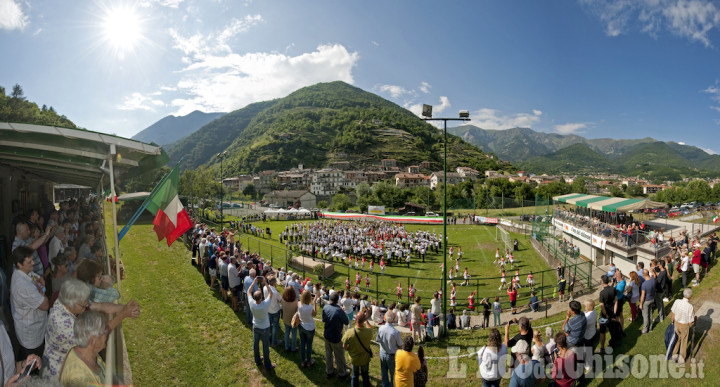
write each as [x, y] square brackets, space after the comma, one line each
[321, 124]
[542, 153]
[576, 158]
[522, 144]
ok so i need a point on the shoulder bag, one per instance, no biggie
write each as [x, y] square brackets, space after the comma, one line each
[361, 344]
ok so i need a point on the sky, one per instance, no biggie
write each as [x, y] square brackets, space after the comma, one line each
[596, 68]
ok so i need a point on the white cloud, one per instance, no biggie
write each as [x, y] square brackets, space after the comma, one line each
[493, 119]
[215, 43]
[231, 81]
[425, 87]
[12, 16]
[163, 3]
[137, 101]
[374, 43]
[681, 143]
[709, 151]
[394, 90]
[714, 91]
[569, 128]
[691, 19]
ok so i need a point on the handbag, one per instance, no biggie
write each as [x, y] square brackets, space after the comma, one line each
[295, 322]
[361, 344]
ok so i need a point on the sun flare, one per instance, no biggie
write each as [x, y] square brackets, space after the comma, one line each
[122, 30]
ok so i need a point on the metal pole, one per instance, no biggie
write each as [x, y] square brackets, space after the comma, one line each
[114, 217]
[445, 237]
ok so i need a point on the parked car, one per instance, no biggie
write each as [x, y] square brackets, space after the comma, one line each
[430, 213]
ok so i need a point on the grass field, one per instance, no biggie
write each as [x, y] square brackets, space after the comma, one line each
[187, 336]
[478, 244]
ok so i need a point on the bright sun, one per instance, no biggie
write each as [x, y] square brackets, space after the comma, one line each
[122, 30]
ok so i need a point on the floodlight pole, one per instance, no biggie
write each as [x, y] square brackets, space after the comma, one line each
[221, 155]
[444, 331]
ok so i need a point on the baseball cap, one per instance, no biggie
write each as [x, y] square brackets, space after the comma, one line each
[521, 347]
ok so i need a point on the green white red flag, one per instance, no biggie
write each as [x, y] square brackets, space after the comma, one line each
[715, 219]
[171, 218]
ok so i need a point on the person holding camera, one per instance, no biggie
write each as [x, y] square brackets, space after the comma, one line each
[261, 321]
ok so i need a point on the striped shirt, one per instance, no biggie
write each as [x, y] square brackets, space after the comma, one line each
[684, 311]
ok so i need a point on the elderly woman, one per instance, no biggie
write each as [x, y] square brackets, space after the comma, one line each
[83, 365]
[101, 286]
[72, 301]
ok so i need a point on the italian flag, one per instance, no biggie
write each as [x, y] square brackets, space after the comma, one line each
[171, 219]
[715, 219]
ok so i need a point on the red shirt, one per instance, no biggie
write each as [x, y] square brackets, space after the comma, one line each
[512, 295]
[562, 367]
[696, 257]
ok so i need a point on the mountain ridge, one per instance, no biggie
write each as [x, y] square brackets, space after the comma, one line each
[172, 128]
[337, 121]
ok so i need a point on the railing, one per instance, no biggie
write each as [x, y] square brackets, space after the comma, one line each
[545, 281]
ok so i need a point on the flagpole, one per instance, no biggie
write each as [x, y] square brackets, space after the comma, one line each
[145, 203]
[114, 215]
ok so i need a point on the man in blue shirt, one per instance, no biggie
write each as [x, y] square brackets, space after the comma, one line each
[260, 321]
[390, 341]
[574, 325]
[335, 319]
[647, 300]
[534, 302]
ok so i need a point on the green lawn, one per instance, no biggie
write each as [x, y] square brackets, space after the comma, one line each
[478, 244]
[186, 335]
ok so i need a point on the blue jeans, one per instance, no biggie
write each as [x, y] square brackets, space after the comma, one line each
[491, 383]
[387, 369]
[290, 345]
[306, 339]
[274, 326]
[264, 335]
[360, 370]
[248, 313]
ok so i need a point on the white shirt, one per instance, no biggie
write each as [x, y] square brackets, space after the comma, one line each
[347, 304]
[233, 278]
[275, 300]
[685, 262]
[591, 326]
[435, 307]
[683, 311]
[306, 318]
[8, 356]
[492, 364]
[25, 298]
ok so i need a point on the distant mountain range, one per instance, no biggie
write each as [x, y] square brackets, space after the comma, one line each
[320, 124]
[554, 153]
[171, 128]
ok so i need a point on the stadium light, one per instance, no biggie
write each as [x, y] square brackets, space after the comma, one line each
[463, 115]
[221, 156]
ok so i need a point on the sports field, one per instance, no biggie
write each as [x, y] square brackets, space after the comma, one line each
[478, 243]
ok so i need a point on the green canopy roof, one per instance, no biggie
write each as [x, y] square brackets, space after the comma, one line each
[609, 204]
[74, 156]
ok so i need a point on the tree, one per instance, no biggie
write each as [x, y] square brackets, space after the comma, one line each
[249, 190]
[340, 202]
[579, 185]
[634, 191]
[17, 92]
[322, 204]
[616, 191]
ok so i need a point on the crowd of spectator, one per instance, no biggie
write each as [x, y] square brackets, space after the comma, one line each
[562, 357]
[58, 303]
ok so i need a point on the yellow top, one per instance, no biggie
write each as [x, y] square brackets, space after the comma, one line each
[406, 363]
[76, 373]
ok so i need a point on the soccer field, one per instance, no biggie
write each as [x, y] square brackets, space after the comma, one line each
[478, 244]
